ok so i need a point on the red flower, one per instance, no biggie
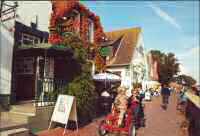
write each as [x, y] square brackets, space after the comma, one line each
[55, 39]
[62, 8]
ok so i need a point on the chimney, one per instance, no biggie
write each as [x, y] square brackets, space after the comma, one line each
[36, 21]
[35, 25]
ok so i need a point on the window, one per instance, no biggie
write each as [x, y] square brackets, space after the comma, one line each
[127, 72]
[24, 65]
[140, 51]
[91, 31]
[46, 67]
[29, 39]
[49, 67]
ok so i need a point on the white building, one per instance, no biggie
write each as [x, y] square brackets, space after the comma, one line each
[6, 54]
[127, 57]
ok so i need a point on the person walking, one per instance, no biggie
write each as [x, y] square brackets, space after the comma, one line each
[165, 92]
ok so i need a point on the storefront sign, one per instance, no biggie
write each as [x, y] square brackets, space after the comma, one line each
[65, 109]
[105, 51]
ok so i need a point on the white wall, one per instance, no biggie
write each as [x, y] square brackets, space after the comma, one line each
[6, 53]
[139, 60]
[125, 79]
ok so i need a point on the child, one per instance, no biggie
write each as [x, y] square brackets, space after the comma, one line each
[120, 104]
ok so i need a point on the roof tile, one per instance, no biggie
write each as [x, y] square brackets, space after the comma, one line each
[126, 49]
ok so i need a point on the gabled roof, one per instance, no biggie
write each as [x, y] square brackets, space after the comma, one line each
[125, 51]
[22, 28]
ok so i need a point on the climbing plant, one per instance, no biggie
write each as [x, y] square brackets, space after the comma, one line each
[81, 86]
[63, 9]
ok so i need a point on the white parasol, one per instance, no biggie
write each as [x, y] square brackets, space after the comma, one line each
[106, 77]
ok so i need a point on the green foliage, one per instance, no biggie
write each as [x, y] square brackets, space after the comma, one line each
[82, 86]
[189, 81]
[83, 89]
[76, 44]
[168, 65]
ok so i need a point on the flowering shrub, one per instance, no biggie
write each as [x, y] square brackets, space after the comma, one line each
[55, 39]
[81, 85]
[63, 8]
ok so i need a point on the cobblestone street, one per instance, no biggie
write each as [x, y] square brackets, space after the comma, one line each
[159, 122]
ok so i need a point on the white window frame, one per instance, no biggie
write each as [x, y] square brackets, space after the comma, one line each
[29, 38]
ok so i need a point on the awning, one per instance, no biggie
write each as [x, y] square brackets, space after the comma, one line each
[43, 49]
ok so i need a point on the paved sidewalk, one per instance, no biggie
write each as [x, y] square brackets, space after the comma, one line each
[159, 122]
[89, 130]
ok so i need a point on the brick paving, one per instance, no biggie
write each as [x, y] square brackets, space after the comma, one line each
[159, 122]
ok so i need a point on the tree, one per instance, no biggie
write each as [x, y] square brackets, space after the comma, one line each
[188, 80]
[168, 65]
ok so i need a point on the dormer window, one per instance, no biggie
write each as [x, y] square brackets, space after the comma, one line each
[91, 31]
[29, 39]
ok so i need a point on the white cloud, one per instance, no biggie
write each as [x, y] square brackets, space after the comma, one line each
[183, 70]
[190, 70]
[195, 51]
[190, 52]
[190, 60]
[165, 16]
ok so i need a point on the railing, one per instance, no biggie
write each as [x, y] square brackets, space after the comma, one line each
[192, 111]
[47, 91]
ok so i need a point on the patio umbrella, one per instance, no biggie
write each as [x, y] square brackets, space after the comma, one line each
[106, 77]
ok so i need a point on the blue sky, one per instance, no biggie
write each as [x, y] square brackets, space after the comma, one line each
[169, 26]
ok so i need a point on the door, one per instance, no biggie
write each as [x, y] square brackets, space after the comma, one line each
[25, 88]
[24, 78]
